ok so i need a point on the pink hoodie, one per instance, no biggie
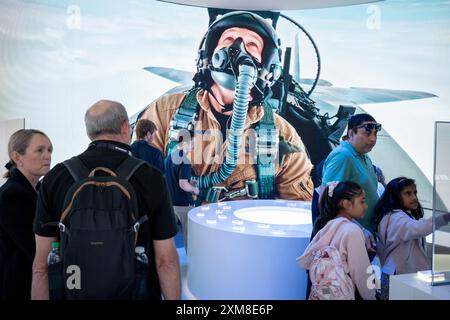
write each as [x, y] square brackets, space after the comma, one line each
[348, 238]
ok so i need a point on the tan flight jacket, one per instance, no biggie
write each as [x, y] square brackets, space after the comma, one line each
[293, 180]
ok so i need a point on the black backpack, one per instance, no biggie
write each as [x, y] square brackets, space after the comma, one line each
[98, 230]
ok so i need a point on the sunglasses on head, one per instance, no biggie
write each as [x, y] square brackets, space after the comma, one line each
[370, 126]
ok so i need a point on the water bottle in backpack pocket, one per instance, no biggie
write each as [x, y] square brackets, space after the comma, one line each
[141, 274]
[55, 273]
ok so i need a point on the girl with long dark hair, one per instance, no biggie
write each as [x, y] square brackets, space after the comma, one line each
[401, 231]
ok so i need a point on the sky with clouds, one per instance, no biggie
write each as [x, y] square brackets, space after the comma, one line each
[58, 57]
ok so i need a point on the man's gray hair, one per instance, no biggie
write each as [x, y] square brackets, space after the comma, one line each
[105, 117]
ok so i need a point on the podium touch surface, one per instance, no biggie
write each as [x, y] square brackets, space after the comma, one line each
[247, 249]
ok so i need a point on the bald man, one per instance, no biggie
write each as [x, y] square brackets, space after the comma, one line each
[108, 129]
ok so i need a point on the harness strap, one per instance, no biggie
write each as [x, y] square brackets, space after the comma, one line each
[184, 118]
[267, 143]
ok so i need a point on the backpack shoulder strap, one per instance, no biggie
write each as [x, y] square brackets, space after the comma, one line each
[77, 168]
[128, 167]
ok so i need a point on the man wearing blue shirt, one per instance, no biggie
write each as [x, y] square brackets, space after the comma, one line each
[142, 148]
[350, 161]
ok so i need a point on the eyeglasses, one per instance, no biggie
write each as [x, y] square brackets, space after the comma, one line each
[370, 126]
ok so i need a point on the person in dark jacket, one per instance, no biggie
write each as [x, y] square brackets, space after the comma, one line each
[30, 156]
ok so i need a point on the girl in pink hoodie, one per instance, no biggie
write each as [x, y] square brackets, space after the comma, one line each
[339, 204]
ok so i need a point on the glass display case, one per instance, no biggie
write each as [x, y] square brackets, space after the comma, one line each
[441, 206]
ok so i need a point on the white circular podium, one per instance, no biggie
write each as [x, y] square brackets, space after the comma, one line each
[247, 249]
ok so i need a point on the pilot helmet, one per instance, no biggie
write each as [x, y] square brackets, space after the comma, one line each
[269, 70]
